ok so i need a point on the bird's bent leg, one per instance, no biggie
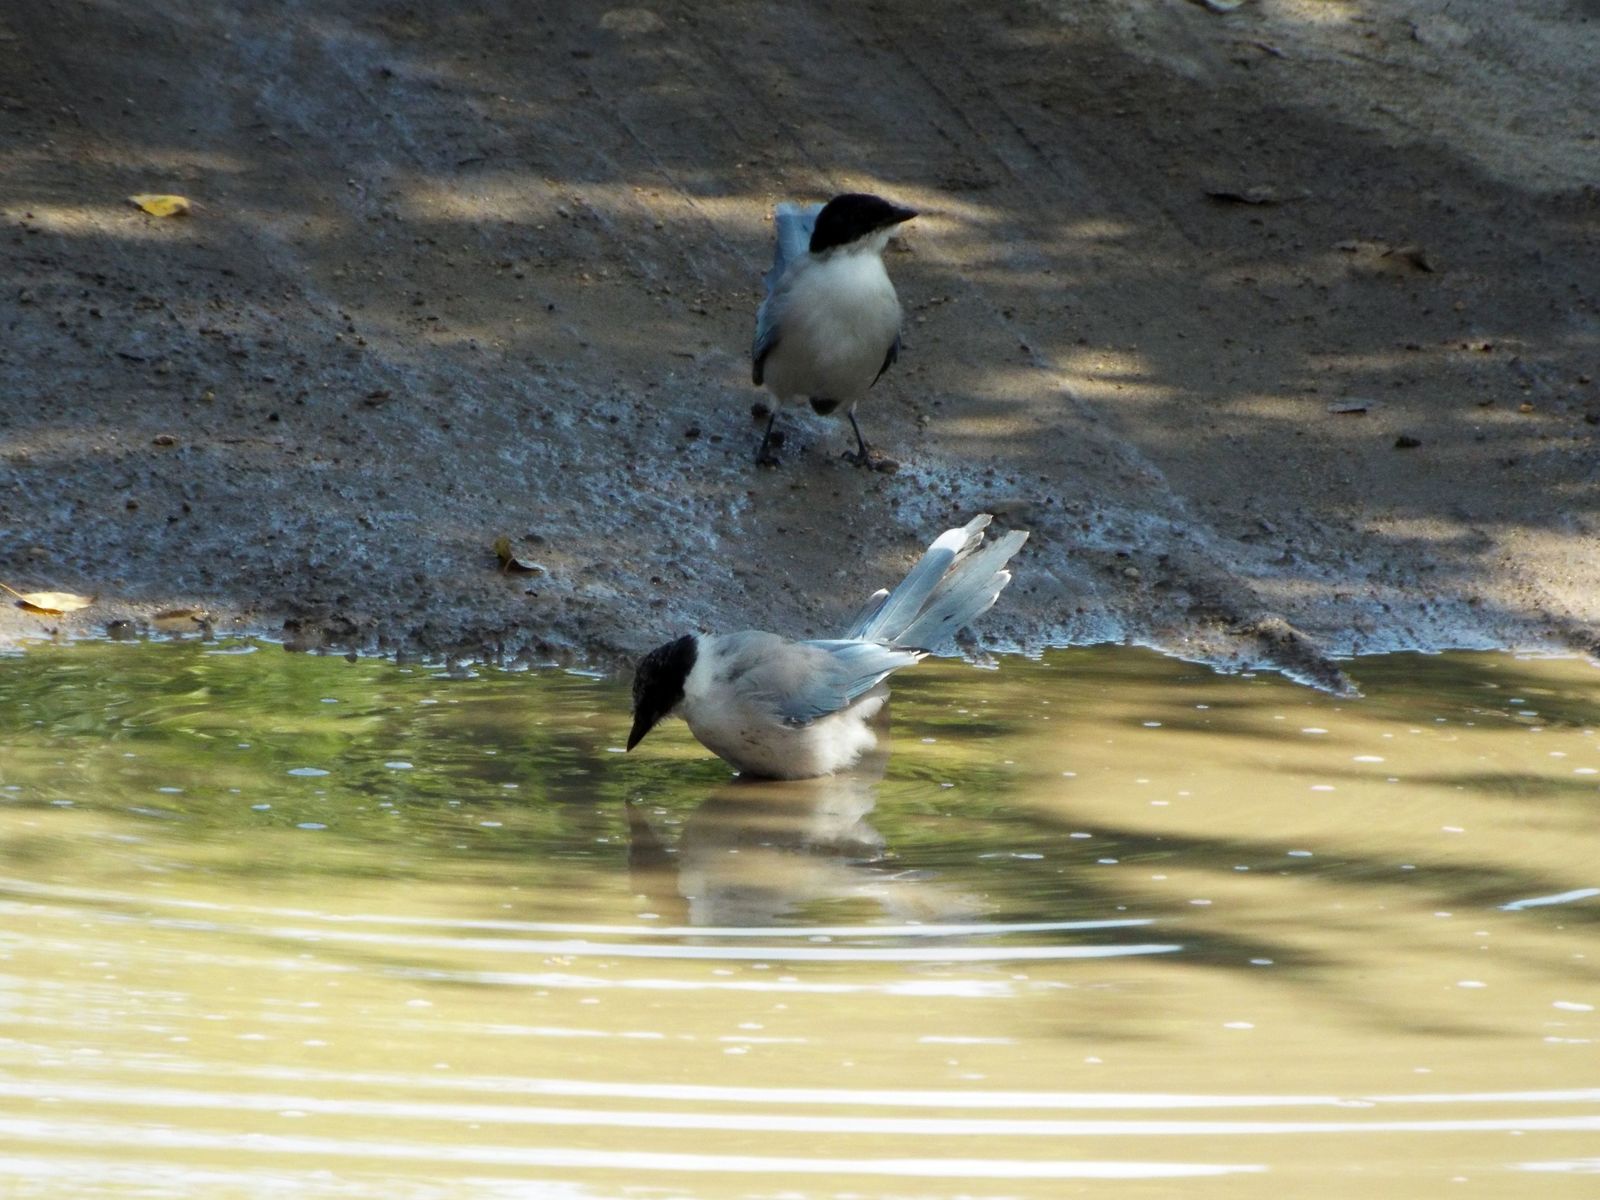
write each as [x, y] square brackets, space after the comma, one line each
[764, 454]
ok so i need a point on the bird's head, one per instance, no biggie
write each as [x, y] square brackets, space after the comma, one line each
[854, 216]
[658, 684]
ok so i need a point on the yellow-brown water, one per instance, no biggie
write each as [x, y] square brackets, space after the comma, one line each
[1107, 924]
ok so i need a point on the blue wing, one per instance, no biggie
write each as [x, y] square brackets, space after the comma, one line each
[851, 670]
[766, 339]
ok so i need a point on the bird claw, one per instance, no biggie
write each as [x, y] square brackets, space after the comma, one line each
[766, 454]
[873, 460]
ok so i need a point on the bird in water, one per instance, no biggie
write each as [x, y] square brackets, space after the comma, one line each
[830, 324]
[778, 708]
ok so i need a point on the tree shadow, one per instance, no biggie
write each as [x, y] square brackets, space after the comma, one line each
[478, 269]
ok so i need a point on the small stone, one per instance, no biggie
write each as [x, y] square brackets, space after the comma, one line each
[1406, 442]
[1131, 572]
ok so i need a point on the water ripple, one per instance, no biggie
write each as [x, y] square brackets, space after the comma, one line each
[948, 929]
[90, 1133]
[919, 1126]
[951, 1098]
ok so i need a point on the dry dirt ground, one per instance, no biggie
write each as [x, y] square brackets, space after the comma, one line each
[458, 271]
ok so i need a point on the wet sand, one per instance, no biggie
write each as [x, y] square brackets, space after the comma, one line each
[1278, 328]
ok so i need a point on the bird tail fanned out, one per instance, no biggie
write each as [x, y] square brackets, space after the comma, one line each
[964, 595]
[953, 583]
[793, 223]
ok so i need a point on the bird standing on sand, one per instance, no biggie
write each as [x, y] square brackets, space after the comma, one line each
[830, 323]
[784, 709]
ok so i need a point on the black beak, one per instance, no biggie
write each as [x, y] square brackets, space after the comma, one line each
[642, 725]
[901, 215]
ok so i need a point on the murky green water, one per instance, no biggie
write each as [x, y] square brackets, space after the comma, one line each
[281, 926]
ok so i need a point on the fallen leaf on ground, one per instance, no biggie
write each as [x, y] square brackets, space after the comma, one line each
[510, 563]
[1372, 256]
[1415, 255]
[158, 205]
[49, 604]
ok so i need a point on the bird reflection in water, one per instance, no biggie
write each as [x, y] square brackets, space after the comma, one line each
[760, 852]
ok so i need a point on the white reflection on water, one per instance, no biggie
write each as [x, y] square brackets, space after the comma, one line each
[101, 1134]
[853, 1097]
[143, 1096]
[1571, 1166]
[1560, 898]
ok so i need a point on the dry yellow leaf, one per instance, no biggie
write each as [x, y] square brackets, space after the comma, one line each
[510, 562]
[49, 604]
[161, 206]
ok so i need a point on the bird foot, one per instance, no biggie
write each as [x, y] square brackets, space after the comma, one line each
[873, 460]
[766, 455]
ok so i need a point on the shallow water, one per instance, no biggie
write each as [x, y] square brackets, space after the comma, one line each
[282, 926]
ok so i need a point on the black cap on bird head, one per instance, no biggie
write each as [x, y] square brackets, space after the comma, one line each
[852, 216]
[658, 684]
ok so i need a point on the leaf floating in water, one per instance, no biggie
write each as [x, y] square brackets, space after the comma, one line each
[511, 563]
[49, 604]
[158, 205]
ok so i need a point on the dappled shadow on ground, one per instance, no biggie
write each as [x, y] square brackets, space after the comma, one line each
[464, 271]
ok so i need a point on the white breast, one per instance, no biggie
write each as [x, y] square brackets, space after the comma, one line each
[840, 316]
[761, 746]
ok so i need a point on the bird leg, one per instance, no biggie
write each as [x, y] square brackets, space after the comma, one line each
[764, 455]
